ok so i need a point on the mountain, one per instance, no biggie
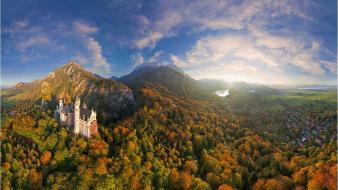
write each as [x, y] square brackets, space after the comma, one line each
[255, 89]
[167, 79]
[72, 80]
[114, 78]
[212, 85]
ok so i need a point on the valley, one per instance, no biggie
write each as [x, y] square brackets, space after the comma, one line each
[161, 129]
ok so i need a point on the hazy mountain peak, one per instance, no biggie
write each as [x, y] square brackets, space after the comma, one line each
[74, 71]
[70, 67]
[164, 78]
[175, 67]
[150, 69]
[72, 80]
[153, 66]
[71, 64]
[143, 66]
[19, 84]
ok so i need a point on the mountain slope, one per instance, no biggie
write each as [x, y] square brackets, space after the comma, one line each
[165, 79]
[70, 81]
[255, 89]
[212, 85]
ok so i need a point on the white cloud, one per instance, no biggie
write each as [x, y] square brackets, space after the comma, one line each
[31, 41]
[306, 60]
[84, 28]
[137, 59]
[175, 60]
[244, 72]
[152, 32]
[255, 57]
[331, 66]
[155, 59]
[211, 15]
[245, 42]
[219, 49]
[149, 40]
[18, 27]
[37, 42]
[95, 59]
[99, 63]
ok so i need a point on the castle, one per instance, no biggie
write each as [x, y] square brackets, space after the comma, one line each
[81, 119]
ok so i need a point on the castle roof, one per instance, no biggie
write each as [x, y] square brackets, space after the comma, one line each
[68, 108]
[85, 113]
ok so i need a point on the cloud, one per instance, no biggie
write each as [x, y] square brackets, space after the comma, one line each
[231, 72]
[18, 27]
[155, 59]
[214, 15]
[219, 49]
[306, 60]
[137, 59]
[255, 55]
[26, 36]
[151, 32]
[331, 66]
[31, 41]
[100, 64]
[176, 61]
[34, 42]
[240, 71]
[84, 28]
[94, 59]
[149, 40]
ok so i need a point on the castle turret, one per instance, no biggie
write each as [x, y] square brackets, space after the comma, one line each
[92, 124]
[93, 115]
[77, 116]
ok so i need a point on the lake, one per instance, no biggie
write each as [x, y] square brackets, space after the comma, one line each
[222, 93]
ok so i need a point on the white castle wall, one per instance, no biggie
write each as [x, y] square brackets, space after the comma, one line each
[81, 126]
[63, 117]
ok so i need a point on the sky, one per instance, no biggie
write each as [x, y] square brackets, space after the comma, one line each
[256, 41]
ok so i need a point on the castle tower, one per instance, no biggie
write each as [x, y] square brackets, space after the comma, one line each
[60, 105]
[77, 116]
[61, 111]
[91, 124]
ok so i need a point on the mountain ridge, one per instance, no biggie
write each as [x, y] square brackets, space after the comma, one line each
[168, 79]
[71, 80]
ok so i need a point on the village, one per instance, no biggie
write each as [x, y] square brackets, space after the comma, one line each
[309, 128]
